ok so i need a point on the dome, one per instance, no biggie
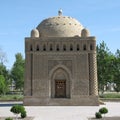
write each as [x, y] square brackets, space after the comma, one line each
[34, 33]
[60, 26]
[85, 33]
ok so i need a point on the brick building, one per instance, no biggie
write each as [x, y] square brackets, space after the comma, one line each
[60, 67]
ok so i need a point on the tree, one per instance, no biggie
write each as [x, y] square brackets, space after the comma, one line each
[117, 71]
[3, 57]
[3, 86]
[103, 62]
[4, 72]
[17, 71]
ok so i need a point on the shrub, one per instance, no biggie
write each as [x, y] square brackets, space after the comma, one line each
[15, 97]
[22, 108]
[16, 109]
[23, 114]
[9, 118]
[103, 110]
[98, 115]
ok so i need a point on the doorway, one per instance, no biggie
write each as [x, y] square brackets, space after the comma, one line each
[60, 88]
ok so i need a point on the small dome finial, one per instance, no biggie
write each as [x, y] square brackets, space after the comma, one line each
[60, 12]
[85, 33]
[35, 33]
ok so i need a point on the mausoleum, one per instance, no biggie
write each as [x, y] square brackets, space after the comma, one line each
[60, 64]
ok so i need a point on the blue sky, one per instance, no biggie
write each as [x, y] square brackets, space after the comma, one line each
[19, 17]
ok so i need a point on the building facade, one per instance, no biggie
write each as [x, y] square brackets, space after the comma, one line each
[60, 64]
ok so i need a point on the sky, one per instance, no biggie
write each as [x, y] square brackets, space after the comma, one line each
[19, 17]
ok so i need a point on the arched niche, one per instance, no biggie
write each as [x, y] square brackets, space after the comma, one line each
[60, 82]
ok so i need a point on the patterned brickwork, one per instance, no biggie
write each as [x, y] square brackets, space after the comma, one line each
[93, 74]
[53, 63]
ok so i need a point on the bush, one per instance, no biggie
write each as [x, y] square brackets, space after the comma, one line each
[103, 110]
[23, 114]
[15, 97]
[98, 115]
[9, 118]
[16, 109]
[22, 108]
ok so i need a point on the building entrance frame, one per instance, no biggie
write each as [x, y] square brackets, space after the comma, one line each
[60, 73]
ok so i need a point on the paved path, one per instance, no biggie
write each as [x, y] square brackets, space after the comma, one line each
[65, 113]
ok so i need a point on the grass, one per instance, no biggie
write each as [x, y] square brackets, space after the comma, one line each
[11, 97]
[110, 95]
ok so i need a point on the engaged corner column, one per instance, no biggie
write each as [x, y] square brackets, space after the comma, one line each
[93, 84]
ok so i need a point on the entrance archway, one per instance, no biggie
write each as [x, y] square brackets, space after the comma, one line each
[60, 83]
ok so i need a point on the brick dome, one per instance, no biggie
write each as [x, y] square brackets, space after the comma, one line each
[60, 26]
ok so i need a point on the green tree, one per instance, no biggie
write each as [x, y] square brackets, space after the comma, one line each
[3, 57]
[3, 86]
[4, 72]
[117, 71]
[104, 60]
[17, 71]
[4, 79]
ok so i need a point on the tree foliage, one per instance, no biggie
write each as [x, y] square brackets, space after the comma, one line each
[108, 67]
[3, 57]
[17, 71]
[103, 63]
[4, 72]
[4, 76]
[3, 86]
[117, 71]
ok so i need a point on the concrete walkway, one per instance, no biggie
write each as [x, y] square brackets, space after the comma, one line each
[64, 112]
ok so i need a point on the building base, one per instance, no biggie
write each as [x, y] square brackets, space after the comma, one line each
[75, 101]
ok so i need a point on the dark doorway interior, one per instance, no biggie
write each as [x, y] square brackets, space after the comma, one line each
[60, 88]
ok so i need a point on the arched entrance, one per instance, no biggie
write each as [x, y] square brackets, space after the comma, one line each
[60, 84]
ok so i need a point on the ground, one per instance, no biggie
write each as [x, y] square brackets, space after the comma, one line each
[106, 118]
[66, 112]
[28, 118]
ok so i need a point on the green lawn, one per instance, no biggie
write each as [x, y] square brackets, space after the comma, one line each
[110, 95]
[11, 97]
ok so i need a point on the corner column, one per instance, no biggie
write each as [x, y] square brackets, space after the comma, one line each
[93, 84]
